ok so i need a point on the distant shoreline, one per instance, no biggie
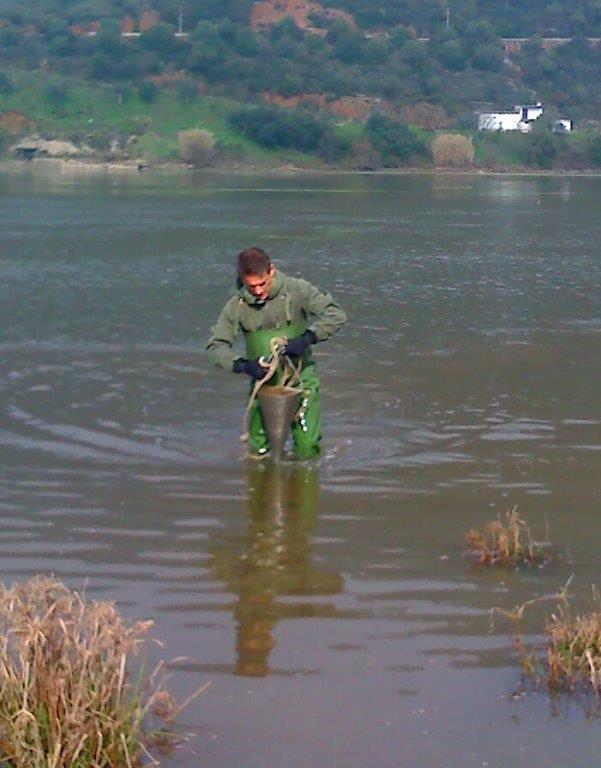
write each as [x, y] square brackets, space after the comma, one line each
[75, 165]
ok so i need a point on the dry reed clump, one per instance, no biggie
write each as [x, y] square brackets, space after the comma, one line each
[452, 150]
[571, 651]
[574, 646]
[501, 543]
[196, 146]
[65, 698]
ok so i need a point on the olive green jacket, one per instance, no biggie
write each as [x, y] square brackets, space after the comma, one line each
[290, 300]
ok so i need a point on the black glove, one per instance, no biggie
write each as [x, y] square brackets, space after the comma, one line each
[296, 347]
[252, 368]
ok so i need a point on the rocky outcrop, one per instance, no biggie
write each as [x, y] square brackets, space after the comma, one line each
[51, 148]
[265, 13]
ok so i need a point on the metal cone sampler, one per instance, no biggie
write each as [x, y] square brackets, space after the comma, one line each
[278, 406]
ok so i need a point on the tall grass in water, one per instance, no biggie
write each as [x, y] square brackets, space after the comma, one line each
[65, 698]
[503, 543]
[569, 657]
[574, 645]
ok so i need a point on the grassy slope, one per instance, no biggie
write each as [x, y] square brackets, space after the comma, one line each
[94, 113]
[94, 110]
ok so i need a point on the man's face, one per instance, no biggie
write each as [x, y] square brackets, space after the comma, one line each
[260, 285]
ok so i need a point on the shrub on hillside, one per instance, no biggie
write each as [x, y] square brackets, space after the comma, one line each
[452, 150]
[394, 139]
[595, 150]
[196, 146]
[541, 148]
[148, 91]
[276, 127]
[160, 39]
[6, 84]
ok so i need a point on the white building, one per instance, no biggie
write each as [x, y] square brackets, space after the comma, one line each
[520, 119]
[563, 126]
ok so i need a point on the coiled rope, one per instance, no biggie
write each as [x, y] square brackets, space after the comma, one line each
[290, 376]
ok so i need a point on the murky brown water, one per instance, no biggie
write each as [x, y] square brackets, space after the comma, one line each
[329, 604]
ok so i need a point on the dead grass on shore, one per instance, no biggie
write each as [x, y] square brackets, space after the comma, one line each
[506, 543]
[66, 700]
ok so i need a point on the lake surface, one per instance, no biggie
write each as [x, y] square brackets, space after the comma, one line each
[329, 604]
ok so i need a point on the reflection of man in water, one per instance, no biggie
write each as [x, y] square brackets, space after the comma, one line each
[268, 305]
[276, 561]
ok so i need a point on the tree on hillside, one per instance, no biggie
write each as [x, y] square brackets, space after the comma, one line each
[394, 138]
[160, 39]
[148, 92]
[415, 54]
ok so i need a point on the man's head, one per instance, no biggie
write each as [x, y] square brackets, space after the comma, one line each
[256, 272]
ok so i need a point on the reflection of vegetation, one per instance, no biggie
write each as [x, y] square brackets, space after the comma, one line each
[508, 543]
[275, 561]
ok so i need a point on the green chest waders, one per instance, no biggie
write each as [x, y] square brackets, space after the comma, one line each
[306, 430]
[258, 344]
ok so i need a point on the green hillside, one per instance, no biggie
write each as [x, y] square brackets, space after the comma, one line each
[57, 56]
[517, 18]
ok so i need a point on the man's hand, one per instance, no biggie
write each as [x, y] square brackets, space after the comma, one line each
[296, 347]
[252, 368]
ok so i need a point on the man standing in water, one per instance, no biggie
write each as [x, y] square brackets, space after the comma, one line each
[268, 305]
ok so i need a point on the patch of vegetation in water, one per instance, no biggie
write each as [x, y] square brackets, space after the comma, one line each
[66, 699]
[504, 543]
[568, 657]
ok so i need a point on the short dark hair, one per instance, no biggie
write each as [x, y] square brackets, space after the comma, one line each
[253, 261]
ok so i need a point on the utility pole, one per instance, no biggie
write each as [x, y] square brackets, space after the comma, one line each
[180, 25]
[448, 17]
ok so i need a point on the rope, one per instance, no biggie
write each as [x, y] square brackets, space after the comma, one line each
[290, 376]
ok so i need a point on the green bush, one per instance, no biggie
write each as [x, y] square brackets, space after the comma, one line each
[540, 148]
[148, 92]
[333, 147]
[161, 40]
[276, 127]
[394, 139]
[595, 150]
[452, 55]
[415, 54]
